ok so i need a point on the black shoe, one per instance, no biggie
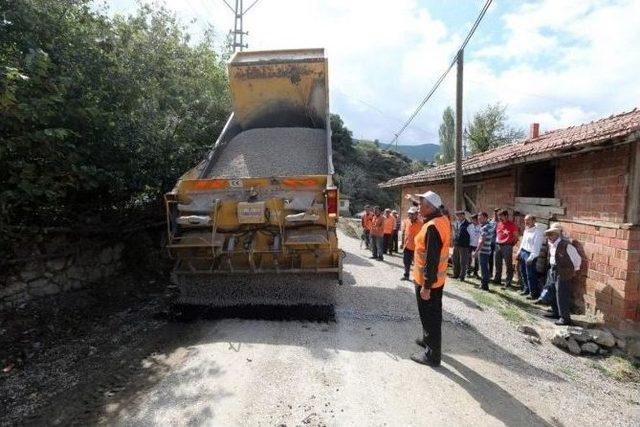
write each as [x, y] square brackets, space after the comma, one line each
[551, 315]
[484, 288]
[405, 278]
[380, 259]
[420, 342]
[462, 279]
[454, 277]
[529, 297]
[423, 359]
[562, 322]
[373, 257]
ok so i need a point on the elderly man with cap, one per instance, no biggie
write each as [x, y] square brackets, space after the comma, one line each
[564, 261]
[431, 255]
[410, 227]
[461, 242]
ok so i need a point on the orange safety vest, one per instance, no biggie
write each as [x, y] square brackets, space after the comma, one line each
[377, 225]
[411, 229]
[443, 226]
[389, 221]
[367, 220]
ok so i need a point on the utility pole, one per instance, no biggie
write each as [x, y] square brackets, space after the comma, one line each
[458, 198]
[238, 32]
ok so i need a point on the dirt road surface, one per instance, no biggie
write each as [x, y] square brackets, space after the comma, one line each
[354, 371]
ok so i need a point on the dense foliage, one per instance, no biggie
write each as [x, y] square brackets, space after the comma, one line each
[489, 129]
[99, 115]
[361, 165]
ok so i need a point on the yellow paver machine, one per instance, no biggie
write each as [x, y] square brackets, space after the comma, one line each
[255, 222]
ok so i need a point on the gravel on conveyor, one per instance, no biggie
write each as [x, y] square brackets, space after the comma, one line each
[266, 152]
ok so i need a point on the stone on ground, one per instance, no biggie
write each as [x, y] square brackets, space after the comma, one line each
[602, 337]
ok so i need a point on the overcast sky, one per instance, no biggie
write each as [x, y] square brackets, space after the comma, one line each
[557, 62]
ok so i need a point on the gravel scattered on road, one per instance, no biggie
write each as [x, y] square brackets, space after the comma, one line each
[266, 152]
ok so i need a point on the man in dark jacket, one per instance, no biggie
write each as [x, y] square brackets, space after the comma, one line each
[461, 241]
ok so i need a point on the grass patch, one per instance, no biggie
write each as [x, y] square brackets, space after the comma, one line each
[498, 299]
[570, 373]
[618, 368]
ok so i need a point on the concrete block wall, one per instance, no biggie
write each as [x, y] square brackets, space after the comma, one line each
[51, 268]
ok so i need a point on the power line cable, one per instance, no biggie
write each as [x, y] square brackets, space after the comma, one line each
[442, 77]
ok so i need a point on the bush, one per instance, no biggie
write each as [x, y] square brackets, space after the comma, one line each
[99, 115]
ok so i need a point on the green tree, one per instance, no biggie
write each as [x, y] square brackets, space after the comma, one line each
[447, 137]
[489, 129]
[99, 116]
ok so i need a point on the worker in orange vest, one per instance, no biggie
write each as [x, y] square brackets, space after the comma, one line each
[410, 227]
[366, 225]
[389, 222]
[431, 255]
[377, 234]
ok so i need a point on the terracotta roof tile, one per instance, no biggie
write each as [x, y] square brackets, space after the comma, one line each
[560, 140]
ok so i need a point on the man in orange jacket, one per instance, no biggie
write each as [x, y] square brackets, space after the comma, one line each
[366, 225]
[431, 255]
[389, 222]
[377, 234]
[410, 227]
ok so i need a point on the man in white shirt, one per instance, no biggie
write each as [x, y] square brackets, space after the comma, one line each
[474, 237]
[529, 250]
[565, 262]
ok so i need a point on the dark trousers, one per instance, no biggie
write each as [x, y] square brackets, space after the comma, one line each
[562, 307]
[460, 261]
[394, 241]
[504, 253]
[387, 244]
[407, 259]
[529, 274]
[491, 258]
[431, 318]
[485, 262]
[548, 294]
[377, 246]
[473, 262]
[367, 238]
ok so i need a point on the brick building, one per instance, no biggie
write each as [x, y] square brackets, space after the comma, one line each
[587, 178]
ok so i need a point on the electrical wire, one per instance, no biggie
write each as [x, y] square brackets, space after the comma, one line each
[443, 75]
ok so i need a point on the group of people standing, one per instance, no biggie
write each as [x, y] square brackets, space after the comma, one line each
[546, 262]
[380, 231]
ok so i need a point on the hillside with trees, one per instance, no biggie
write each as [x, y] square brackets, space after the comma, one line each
[361, 165]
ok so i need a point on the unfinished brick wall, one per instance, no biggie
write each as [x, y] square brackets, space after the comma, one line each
[609, 284]
[444, 190]
[594, 186]
[496, 193]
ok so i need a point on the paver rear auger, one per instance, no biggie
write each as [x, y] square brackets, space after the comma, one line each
[255, 222]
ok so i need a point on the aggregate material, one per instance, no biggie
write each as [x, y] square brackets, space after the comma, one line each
[267, 152]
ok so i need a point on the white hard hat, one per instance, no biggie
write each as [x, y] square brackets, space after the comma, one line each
[430, 197]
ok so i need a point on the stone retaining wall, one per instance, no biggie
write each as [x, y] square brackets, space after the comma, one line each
[60, 264]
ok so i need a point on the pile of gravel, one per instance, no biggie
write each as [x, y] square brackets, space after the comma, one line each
[266, 152]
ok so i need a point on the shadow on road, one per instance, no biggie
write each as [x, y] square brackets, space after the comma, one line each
[493, 399]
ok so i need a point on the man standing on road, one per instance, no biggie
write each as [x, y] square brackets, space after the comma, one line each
[366, 225]
[410, 227]
[493, 222]
[377, 234]
[506, 237]
[474, 238]
[483, 249]
[461, 241]
[396, 229]
[389, 220]
[431, 255]
[564, 261]
[528, 255]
